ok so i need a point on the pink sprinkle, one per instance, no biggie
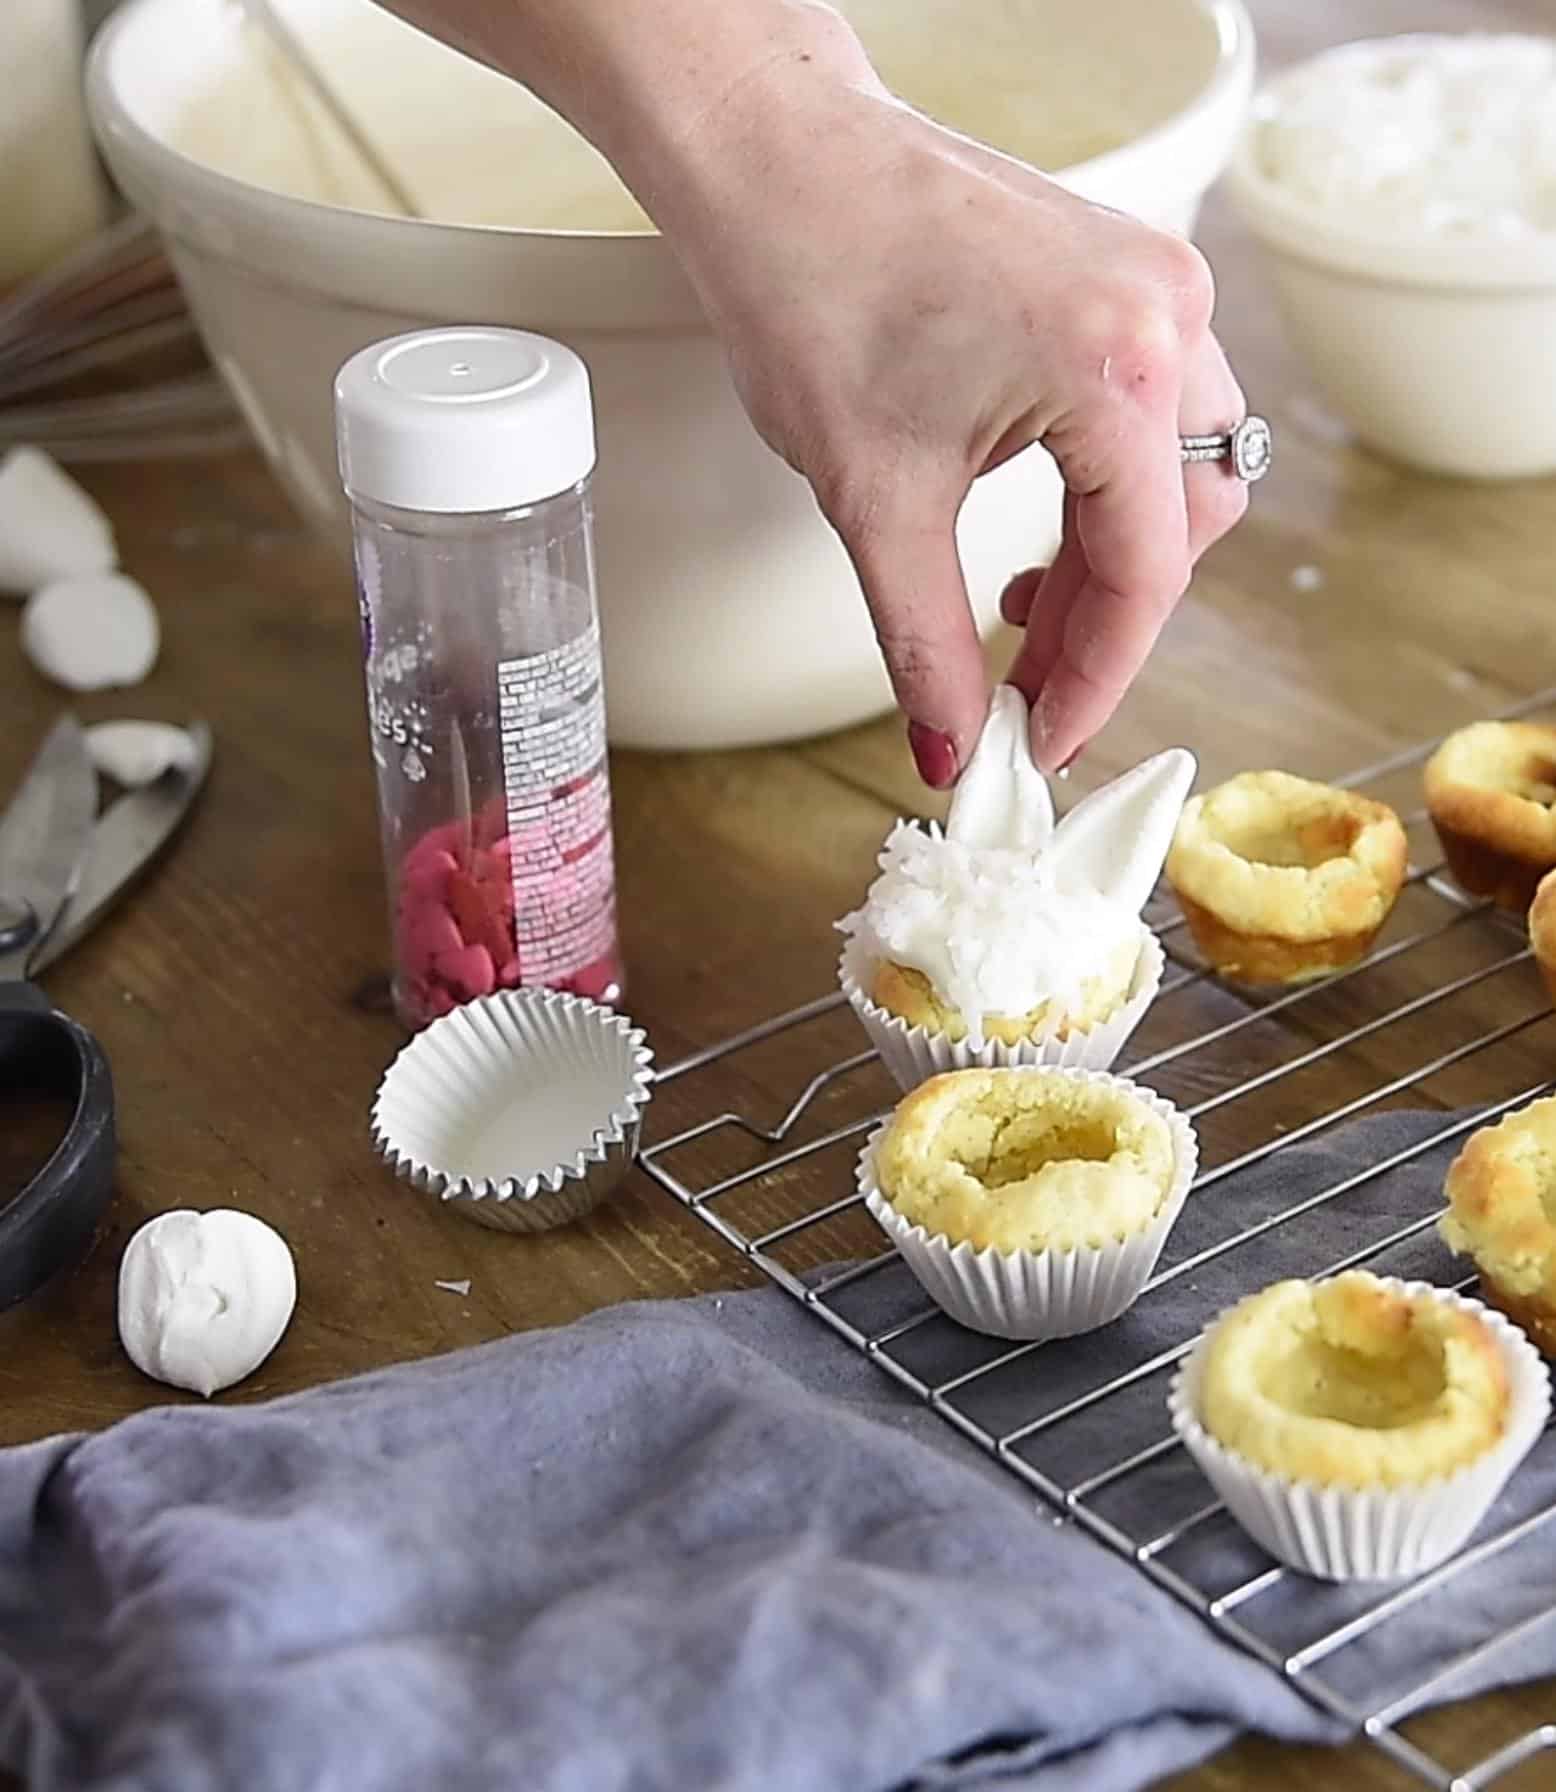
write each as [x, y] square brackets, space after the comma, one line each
[468, 972]
[436, 842]
[428, 933]
[425, 877]
[436, 1002]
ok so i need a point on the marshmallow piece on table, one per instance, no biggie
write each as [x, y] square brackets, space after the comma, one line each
[136, 753]
[204, 1297]
[50, 528]
[92, 633]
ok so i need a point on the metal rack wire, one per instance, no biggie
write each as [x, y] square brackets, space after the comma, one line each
[1421, 1023]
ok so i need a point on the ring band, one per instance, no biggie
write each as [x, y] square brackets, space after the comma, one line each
[1249, 447]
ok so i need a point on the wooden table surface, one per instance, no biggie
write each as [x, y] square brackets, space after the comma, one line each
[227, 992]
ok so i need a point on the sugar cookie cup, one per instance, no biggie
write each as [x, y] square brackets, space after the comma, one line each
[1501, 1191]
[1542, 930]
[1030, 1202]
[918, 1036]
[1490, 790]
[1361, 1427]
[1282, 880]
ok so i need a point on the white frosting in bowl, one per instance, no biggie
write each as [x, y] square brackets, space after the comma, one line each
[204, 1297]
[1424, 136]
[1003, 910]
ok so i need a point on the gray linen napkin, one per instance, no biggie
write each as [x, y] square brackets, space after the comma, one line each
[692, 1544]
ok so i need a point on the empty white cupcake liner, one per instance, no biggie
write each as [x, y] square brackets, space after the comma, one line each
[1377, 1533]
[1037, 1295]
[472, 1071]
[914, 1054]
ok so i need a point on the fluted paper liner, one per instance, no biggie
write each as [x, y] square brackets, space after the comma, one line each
[1376, 1533]
[1036, 1295]
[521, 1110]
[914, 1054]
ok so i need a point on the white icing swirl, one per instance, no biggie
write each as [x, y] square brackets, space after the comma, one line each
[1002, 910]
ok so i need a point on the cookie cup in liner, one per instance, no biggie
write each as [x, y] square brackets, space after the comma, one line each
[520, 1110]
[1037, 1295]
[914, 1054]
[1376, 1533]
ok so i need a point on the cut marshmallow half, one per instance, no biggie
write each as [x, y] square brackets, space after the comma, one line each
[93, 633]
[136, 753]
[49, 527]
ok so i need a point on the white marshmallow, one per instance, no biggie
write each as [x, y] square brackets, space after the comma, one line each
[1002, 798]
[204, 1297]
[92, 633]
[136, 753]
[49, 527]
[1115, 841]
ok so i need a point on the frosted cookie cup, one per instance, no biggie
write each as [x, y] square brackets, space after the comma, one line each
[1005, 938]
[914, 1053]
[1053, 1232]
[1371, 1490]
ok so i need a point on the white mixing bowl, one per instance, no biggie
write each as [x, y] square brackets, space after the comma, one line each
[731, 613]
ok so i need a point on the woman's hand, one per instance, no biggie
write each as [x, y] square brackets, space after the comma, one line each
[903, 310]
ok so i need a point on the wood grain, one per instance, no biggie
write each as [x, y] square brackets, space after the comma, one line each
[233, 994]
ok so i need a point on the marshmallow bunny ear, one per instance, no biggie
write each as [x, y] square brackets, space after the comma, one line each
[1002, 799]
[1115, 840]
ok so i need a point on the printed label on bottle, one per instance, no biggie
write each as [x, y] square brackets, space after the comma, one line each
[552, 717]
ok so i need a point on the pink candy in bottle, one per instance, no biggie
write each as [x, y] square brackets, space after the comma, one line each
[467, 456]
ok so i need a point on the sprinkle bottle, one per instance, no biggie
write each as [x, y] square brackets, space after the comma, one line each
[466, 455]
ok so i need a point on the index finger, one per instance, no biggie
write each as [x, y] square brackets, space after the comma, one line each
[1133, 535]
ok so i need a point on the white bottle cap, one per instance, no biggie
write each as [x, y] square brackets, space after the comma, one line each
[463, 420]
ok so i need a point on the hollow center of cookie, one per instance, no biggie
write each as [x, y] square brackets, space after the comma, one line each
[1317, 1379]
[1535, 780]
[1305, 842]
[1025, 1144]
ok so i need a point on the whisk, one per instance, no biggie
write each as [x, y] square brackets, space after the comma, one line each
[99, 356]
[100, 359]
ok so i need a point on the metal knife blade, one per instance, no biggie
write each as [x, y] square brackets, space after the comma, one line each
[44, 838]
[127, 840]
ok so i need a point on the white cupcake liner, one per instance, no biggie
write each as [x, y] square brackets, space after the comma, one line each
[1377, 1533]
[914, 1054]
[521, 1110]
[1037, 1295]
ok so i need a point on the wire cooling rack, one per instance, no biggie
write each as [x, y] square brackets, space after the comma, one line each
[1447, 1016]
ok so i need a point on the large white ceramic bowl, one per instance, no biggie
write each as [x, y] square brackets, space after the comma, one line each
[1438, 351]
[731, 613]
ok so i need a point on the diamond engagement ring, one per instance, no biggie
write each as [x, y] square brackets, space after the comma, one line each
[1249, 447]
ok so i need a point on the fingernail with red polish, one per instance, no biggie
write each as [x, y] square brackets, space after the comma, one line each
[934, 754]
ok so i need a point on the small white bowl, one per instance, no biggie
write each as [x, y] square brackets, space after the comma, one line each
[1037, 1295]
[521, 1110]
[1438, 351]
[1375, 1533]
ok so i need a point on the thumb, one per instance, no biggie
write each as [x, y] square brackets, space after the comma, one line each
[911, 573]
